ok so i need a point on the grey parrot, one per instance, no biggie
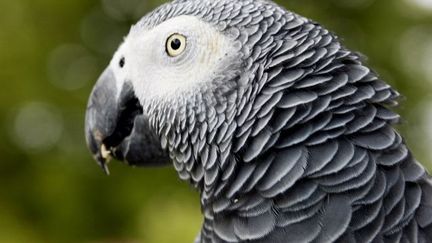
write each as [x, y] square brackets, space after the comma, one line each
[285, 133]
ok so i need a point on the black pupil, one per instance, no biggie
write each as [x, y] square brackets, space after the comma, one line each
[176, 44]
[122, 62]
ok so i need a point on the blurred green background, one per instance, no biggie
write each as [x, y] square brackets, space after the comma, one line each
[51, 53]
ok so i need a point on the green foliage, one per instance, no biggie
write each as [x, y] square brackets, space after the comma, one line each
[51, 53]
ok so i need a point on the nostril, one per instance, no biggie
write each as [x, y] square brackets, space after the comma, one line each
[122, 62]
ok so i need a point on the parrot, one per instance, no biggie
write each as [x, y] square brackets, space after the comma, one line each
[286, 135]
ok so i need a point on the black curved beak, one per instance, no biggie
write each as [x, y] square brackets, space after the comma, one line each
[115, 126]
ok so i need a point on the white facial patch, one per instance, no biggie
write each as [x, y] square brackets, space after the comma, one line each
[157, 75]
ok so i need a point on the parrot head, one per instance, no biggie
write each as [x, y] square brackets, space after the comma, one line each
[173, 81]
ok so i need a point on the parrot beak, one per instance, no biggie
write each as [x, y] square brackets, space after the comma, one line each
[115, 126]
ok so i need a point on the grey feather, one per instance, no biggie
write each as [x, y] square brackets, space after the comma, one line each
[342, 157]
[261, 170]
[288, 180]
[293, 217]
[376, 193]
[240, 179]
[252, 228]
[378, 140]
[282, 164]
[320, 156]
[365, 215]
[297, 98]
[301, 232]
[297, 194]
[337, 209]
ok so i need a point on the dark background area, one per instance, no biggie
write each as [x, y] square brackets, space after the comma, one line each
[51, 53]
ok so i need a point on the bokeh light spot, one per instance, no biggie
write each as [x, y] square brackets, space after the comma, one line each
[125, 10]
[71, 67]
[427, 127]
[424, 4]
[355, 3]
[37, 127]
[416, 53]
[101, 33]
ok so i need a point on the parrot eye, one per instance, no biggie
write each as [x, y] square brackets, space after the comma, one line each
[176, 44]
